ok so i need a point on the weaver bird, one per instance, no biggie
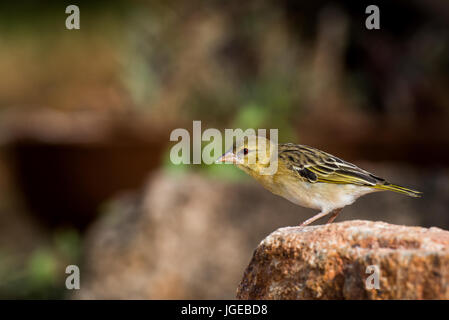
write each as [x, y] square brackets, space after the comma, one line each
[307, 176]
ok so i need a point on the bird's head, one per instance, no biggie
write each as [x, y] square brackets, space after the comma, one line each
[253, 154]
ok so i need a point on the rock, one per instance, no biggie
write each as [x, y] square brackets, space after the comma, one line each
[190, 236]
[181, 237]
[330, 262]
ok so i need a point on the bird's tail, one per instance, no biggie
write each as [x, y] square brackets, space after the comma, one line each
[399, 189]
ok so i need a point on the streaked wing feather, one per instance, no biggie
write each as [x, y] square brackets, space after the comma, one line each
[313, 165]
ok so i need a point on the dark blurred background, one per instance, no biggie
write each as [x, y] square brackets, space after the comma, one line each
[85, 119]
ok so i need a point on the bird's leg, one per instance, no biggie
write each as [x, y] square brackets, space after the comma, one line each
[334, 214]
[315, 217]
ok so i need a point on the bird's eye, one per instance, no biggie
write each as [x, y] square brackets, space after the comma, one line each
[245, 151]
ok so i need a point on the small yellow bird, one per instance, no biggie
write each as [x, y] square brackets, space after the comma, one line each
[307, 176]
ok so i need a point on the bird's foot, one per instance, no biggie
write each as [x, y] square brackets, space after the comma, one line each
[334, 214]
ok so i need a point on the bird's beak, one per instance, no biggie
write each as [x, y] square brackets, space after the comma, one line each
[228, 157]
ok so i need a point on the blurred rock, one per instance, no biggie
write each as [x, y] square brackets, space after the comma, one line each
[330, 262]
[184, 237]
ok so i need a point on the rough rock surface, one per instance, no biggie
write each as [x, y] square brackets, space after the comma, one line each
[330, 262]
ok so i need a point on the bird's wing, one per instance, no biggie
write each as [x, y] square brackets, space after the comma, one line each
[313, 165]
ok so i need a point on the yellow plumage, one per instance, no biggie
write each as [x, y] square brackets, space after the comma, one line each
[307, 176]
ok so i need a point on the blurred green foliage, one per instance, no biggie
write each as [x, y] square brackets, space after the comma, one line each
[40, 274]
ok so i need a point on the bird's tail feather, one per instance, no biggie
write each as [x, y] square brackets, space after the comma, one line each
[399, 189]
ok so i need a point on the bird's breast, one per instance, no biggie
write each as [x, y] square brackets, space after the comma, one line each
[320, 196]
